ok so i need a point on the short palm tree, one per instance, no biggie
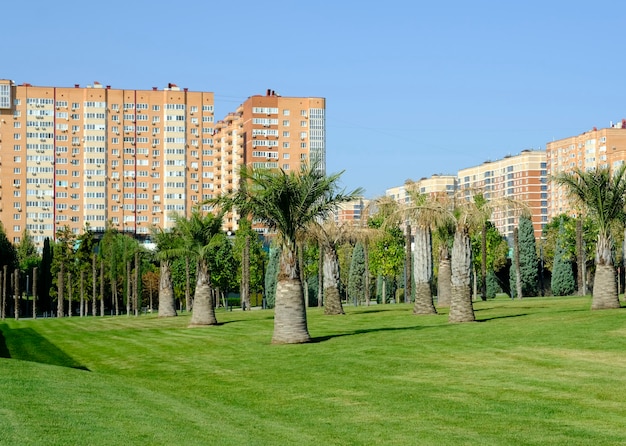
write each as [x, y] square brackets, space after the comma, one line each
[289, 203]
[166, 243]
[601, 193]
[198, 234]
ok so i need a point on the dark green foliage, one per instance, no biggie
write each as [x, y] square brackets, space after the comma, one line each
[8, 254]
[563, 282]
[45, 277]
[529, 262]
[493, 287]
[356, 280]
[271, 277]
[222, 264]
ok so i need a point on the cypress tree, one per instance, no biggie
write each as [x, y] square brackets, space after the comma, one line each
[356, 279]
[563, 283]
[529, 262]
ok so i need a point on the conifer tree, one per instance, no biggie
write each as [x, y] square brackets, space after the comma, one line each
[356, 280]
[563, 283]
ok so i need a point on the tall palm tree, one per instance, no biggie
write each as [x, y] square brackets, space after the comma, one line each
[198, 233]
[289, 203]
[601, 193]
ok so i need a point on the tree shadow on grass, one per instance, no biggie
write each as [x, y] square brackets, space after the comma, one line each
[318, 339]
[506, 316]
[27, 345]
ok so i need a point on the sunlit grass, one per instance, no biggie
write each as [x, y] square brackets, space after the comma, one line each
[536, 371]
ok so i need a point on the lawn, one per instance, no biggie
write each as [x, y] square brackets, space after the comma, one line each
[536, 371]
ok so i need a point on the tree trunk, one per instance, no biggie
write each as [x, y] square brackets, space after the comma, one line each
[366, 280]
[35, 290]
[423, 272]
[3, 292]
[518, 269]
[16, 293]
[70, 294]
[101, 287]
[60, 285]
[81, 309]
[461, 309]
[580, 258]
[408, 266]
[136, 300]
[604, 289]
[203, 312]
[94, 308]
[320, 276]
[245, 275]
[188, 302]
[483, 263]
[444, 285]
[384, 291]
[167, 305]
[332, 304]
[129, 288]
[290, 324]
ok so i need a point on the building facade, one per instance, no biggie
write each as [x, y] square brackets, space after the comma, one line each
[603, 148]
[97, 156]
[519, 178]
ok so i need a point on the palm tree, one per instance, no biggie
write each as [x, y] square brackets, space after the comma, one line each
[198, 233]
[166, 242]
[601, 193]
[289, 203]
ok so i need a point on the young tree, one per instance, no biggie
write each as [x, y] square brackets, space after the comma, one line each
[198, 234]
[356, 281]
[289, 203]
[601, 193]
[563, 283]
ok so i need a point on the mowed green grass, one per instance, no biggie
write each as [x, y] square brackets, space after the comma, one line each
[537, 371]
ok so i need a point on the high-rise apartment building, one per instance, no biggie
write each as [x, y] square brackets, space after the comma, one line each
[271, 132]
[131, 158]
[603, 148]
[434, 185]
[521, 178]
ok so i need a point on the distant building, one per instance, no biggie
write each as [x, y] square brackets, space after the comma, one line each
[352, 211]
[603, 148]
[434, 185]
[520, 178]
[131, 158]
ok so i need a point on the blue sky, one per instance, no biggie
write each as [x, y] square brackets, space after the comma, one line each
[412, 88]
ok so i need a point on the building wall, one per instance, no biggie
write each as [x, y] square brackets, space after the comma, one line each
[96, 155]
[521, 178]
[603, 148]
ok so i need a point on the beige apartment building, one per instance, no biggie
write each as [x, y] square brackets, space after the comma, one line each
[603, 148]
[96, 155]
[520, 178]
[271, 132]
[434, 185]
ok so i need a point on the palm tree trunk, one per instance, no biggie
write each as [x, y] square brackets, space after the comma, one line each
[423, 272]
[290, 324]
[167, 305]
[3, 292]
[461, 309]
[203, 312]
[136, 300]
[580, 257]
[604, 283]
[444, 285]
[245, 275]
[332, 303]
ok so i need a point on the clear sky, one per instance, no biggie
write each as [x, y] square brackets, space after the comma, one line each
[412, 88]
